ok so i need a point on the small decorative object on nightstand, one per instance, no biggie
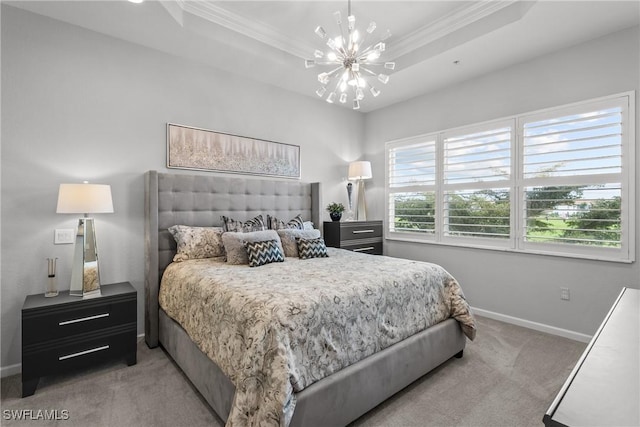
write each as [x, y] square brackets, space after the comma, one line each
[357, 236]
[335, 211]
[65, 332]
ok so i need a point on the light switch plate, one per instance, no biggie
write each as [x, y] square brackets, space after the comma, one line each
[63, 236]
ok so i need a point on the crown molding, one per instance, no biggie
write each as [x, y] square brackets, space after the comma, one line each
[264, 33]
[447, 24]
[256, 30]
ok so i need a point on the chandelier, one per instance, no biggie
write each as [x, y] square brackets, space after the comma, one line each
[353, 65]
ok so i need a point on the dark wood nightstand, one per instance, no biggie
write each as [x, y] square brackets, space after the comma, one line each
[357, 236]
[68, 332]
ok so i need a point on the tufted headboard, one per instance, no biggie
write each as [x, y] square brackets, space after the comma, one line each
[200, 200]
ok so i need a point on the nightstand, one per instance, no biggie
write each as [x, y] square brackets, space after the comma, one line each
[68, 332]
[357, 236]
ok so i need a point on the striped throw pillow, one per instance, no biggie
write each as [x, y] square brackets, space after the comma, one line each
[311, 248]
[265, 252]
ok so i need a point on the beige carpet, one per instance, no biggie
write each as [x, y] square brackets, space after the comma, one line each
[507, 377]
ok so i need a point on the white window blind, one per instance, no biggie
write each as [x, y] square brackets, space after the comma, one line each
[558, 181]
[573, 177]
[476, 165]
[412, 183]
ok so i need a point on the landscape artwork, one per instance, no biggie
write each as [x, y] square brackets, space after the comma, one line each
[201, 149]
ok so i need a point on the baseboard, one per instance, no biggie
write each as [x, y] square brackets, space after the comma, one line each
[572, 335]
[7, 371]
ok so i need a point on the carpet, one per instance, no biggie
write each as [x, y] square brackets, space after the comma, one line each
[508, 377]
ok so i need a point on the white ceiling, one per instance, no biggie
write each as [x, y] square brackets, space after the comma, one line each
[434, 43]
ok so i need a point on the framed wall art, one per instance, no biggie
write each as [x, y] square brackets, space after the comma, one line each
[207, 150]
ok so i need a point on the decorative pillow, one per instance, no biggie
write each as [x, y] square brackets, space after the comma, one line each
[197, 242]
[234, 244]
[312, 248]
[261, 253]
[308, 225]
[254, 224]
[277, 224]
[288, 239]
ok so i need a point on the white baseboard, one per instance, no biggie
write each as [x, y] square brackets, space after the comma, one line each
[576, 336]
[7, 371]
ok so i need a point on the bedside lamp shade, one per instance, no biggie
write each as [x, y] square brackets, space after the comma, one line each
[85, 199]
[359, 171]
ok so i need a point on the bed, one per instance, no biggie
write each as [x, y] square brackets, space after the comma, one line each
[336, 396]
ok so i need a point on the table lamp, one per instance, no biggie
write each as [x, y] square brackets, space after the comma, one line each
[85, 199]
[359, 171]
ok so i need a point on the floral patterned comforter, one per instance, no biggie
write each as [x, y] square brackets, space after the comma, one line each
[276, 329]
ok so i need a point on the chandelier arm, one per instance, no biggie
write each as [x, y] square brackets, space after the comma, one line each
[368, 70]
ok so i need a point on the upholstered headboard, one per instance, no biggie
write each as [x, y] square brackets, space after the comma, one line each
[200, 200]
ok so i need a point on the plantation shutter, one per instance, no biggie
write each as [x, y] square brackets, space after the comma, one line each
[572, 167]
[411, 179]
[477, 182]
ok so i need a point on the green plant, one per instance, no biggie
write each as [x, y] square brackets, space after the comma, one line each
[335, 207]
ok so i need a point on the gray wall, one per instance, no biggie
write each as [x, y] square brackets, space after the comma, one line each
[523, 286]
[79, 105]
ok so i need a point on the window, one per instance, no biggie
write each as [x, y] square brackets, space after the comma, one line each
[558, 181]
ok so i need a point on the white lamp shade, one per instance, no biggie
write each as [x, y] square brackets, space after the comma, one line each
[84, 198]
[360, 170]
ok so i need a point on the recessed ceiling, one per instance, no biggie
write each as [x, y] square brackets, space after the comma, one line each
[434, 43]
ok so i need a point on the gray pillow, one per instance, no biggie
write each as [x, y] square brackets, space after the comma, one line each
[235, 248]
[288, 239]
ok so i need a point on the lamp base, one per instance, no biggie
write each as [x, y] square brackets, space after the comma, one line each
[361, 207]
[85, 273]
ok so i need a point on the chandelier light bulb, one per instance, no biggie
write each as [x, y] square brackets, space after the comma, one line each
[383, 78]
[352, 62]
[371, 28]
[352, 21]
[321, 32]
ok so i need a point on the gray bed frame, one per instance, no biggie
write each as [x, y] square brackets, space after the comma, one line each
[200, 200]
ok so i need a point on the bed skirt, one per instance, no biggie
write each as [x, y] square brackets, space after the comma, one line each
[337, 399]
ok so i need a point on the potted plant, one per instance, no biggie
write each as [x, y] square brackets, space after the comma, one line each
[335, 211]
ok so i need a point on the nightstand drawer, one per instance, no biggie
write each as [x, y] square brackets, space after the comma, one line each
[60, 322]
[373, 248]
[351, 231]
[41, 360]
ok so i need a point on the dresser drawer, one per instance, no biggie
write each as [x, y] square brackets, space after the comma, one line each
[358, 236]
[40, 360]
[55, 323]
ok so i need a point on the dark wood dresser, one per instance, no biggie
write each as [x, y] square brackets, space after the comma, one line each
[357, 236]
[68, 332]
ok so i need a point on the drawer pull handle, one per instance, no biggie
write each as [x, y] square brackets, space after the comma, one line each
[82, 353]
[362, 231]
[364, 249]
[83, 319]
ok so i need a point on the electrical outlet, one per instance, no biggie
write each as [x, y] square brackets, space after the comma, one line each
[63, 236]
[564, 294]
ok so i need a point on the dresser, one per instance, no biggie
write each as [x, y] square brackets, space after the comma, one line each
[357, 236]
[68, 332]
[604, 387]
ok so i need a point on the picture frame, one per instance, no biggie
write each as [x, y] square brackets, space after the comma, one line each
[207, 150]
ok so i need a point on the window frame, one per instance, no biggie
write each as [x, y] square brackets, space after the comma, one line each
[517, 185]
